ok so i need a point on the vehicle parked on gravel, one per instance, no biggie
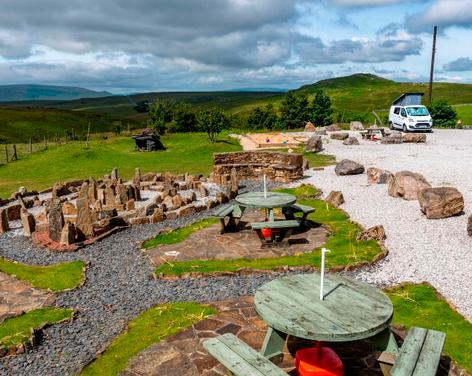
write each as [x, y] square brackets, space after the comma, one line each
[408, 114]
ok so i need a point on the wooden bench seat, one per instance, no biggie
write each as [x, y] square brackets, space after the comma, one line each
[290, 211]
[239, 358]
[228, 214]
[284, 227]
[420, 353]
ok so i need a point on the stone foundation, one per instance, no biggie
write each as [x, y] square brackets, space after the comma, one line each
[252, 165]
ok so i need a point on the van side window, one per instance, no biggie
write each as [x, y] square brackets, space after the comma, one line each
[396, 111]
[403, 112]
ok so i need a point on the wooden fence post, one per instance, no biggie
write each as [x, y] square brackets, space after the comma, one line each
[6, 153]
[31, 145]
[14, 155]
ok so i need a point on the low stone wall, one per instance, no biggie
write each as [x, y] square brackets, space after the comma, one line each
[252, 165]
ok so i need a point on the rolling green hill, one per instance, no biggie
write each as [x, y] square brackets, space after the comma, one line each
[40, 92]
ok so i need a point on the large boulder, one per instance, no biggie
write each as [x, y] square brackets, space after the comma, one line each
[309, 127]
[414, 137]
[440, 202]
[321, 131]
[356, 126]
[335, 198]
[392, 137]
[314, 144]
[348, 167]
[378, 176]
[333, 128]
[407, 184]
[339, 135]
[351, 141]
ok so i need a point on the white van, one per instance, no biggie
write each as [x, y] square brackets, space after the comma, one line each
[408, 114]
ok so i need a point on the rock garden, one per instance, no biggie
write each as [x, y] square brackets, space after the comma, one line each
[115, 277]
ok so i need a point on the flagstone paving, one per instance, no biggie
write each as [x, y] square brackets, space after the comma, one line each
[183, 353]
[208, 243]
[17, 297]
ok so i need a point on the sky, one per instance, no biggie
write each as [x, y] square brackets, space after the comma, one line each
[127, 46]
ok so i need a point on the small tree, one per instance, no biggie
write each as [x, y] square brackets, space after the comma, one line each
[184, 118]
[159, 114]
[295, 110]
[117, 127]
[321, 110]
[263, 118]
[212, 122]
[443, 114]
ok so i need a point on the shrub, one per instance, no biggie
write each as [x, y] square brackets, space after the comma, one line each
[321, 110]
[294, 110]
[443, 114]
[212, 122]
[263, 118]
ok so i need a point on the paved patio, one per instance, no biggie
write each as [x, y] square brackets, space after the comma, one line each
[183, 353]
[17, 297]
[208, 244]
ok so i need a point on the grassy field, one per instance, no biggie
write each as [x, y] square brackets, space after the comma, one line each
[465, 114]
[20, 124]
[16, 330]
[55, 278]
[150, 327]
[189, 152]
[346, 249]
[419, 305]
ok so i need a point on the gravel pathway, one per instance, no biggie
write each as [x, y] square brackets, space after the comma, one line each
[436, 251]
[118, 287]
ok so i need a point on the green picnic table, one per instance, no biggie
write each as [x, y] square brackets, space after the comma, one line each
[268, 201]
[351, 310]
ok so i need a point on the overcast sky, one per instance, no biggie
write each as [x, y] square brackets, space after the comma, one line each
[156, 45]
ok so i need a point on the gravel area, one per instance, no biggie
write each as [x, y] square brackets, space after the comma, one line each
[118, 287]
[435, 251]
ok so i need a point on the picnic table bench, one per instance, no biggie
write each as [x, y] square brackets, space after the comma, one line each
[230, 212]
[419, 354]
[239, 358]
[285, 226]
[370, 132]
[290, 211]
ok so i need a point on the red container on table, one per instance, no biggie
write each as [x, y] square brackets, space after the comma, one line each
[318, 361]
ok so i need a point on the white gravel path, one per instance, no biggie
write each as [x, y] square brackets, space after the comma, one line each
[435, 251]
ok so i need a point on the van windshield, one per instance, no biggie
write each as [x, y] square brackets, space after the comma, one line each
[417, 111]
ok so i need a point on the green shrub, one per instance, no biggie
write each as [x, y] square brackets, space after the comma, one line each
[443, 114]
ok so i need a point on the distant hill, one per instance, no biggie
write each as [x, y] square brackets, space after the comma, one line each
[9, 93]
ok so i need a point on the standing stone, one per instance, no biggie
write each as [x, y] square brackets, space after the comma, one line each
[309, 127]
[157, 216]
[203, 191]
[101, 195]
[121, 194]
[176, 201]
[55, 220]
[114, 176]
[84, 218]
[234, 183]
[109, 196]
[130, 205]
[137, 177]
[314, 144]
[28, 222]
[407, 184]
[68, 234]
[335, 198]
[84, 190]
[92, 191]
[4, 226]
[356, 126]
[440, 202]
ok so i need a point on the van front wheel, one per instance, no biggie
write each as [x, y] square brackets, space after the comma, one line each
[405, 128]
[390, 125]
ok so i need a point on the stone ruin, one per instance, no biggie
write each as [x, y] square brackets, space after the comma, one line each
[73, 214]
[252, 165]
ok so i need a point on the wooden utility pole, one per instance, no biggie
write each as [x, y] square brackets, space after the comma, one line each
[431, 73]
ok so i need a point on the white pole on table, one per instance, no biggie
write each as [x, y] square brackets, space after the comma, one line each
[265, 186]
[323, 253]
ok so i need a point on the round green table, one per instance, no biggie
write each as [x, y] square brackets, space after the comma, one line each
[351, 310]
[270, 201]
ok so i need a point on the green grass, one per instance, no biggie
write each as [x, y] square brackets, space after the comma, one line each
[16, 330]
[319, 160]
[189, 152]
[55, 278]
[418, 305]
[178, 235]
[465, 114]
[346, 250]
[150, 327]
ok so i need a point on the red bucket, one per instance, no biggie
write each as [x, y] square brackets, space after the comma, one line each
[266, 233]
[318, 361]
